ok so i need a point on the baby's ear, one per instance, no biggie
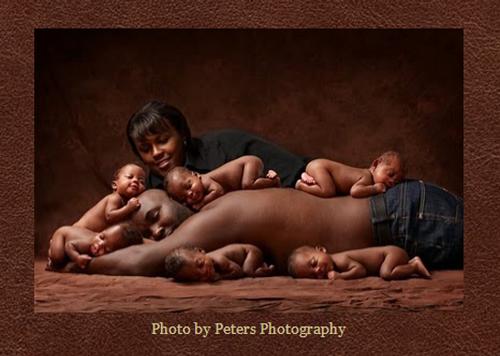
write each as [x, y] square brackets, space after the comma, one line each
[113, 185]
[375, 163]
[321, 248]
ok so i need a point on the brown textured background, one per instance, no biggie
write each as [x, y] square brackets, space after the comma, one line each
[343, 94]
[471, 331]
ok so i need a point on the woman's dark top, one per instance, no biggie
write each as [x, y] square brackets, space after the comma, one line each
[215, 148]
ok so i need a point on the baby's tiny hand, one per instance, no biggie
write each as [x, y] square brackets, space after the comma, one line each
[134, 202]
[379, 187]
[83, 261]
[332, 275]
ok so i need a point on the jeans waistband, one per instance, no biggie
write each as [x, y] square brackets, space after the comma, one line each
[381, 221]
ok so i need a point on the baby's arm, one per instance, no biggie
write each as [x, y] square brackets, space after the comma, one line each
[115, 212]
[228, 269]
[348, 267]
[250, 169]
[364, 187]
[214, 190]
[254, 265]
[76, 251]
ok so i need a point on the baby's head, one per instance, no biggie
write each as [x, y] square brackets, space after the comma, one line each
[388, 169]
[189, 264]
[310, 262]
[114, 238]
[129, 180]
[184, 186]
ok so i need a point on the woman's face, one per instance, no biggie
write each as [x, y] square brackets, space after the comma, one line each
[162, 151]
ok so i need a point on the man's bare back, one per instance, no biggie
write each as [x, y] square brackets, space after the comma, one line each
[275, 220]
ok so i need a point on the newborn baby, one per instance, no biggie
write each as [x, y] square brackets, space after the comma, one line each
[388, 262]
[197, 190]
[188, 264]
[325, 178]
[128, 183]
[80, 245]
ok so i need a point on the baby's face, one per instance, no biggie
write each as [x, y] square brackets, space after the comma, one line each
[197, 266]
[186, 187]
[388, 172]
[130, 181]
[107, 241]
[312, 263]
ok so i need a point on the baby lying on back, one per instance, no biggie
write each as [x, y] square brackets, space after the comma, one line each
[196, 190]
[189, 264]
[325, 178]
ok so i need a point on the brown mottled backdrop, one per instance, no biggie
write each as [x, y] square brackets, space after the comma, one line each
[343, 94]
[263, 83]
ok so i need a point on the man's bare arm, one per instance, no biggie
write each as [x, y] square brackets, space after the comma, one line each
[201, 230]
[137, 260]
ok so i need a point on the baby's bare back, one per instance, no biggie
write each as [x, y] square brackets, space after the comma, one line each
[371, 258]
[231, 175]
[344, 176]
[95, 218]
[235, 252]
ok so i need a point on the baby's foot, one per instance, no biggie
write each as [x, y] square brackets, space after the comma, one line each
[306, 178]
[331, 275]
[50, 265]
[274, 177]
[421, 270]
[271, 174]
[264, 270]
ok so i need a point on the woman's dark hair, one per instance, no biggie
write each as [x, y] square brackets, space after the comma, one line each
[154, 118]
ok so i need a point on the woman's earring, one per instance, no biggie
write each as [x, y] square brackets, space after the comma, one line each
[185, 142]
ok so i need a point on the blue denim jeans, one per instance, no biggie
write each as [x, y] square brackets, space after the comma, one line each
[423, 219]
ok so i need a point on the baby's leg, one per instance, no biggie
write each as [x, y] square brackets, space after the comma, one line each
[323, 185]
[420, 268]
[397, 266]
[254, 265]
[252, 175]
[56, 249]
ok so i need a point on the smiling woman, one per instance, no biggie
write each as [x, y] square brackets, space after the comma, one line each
[160, 136]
